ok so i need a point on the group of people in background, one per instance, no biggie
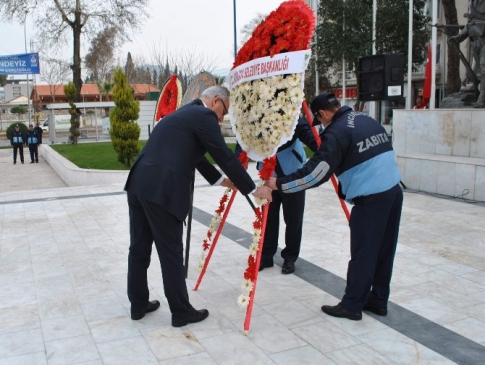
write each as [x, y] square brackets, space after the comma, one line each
[32, 138]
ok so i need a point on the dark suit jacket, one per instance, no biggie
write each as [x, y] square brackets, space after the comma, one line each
[164, 169]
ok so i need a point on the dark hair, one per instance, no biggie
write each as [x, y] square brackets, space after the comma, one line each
[333, 107]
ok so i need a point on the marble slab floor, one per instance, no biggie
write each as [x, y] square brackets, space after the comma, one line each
[63, 266]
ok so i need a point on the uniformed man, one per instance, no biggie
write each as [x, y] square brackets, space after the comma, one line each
[17, 141]
[33, 140]
[290, 157]
[357, 149]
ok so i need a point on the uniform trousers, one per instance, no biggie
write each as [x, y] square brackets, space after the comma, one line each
[293, 209]
[34, 152]
[374, 229]
[149, 223]
[20, 148]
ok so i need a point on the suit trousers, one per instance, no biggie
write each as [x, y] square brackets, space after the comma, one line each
[149, 222]
[374, 229]
[20, 148]
[293, 209]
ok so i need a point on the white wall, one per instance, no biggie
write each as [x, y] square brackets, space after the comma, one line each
[442, 151]
[75, 176]
[147, 114]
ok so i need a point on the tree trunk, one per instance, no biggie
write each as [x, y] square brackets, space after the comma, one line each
[76, 66]
[76, 62]
[453, 73]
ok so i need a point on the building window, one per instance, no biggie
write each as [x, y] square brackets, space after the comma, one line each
[16, 91]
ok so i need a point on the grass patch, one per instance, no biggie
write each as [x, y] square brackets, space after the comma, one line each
[102, 156]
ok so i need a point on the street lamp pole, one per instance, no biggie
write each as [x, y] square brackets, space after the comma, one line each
[28, 85]
[235, 31]
[315, 9]
[410, 54]
[373, 104]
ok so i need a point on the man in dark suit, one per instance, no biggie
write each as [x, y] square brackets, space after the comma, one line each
[159, 190]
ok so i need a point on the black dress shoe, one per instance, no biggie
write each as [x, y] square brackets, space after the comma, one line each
[288, 267]
[151, 306]
[338, 311]
[378, 311]
[193, 317]
[264, 264]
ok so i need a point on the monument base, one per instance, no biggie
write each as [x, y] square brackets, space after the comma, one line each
[442, 151]
[462, 99]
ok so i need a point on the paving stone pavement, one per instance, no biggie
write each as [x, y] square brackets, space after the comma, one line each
[63, 265]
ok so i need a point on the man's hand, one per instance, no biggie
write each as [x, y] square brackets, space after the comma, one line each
[271, 183]
[228, 184]
[263, 192]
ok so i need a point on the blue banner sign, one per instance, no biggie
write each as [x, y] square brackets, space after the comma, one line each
[20, 64]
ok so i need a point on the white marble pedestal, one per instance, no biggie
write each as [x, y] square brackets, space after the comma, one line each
[442, 151]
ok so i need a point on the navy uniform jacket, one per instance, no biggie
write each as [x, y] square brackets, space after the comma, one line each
[357, 149]
[291, 156]
[164, 169]
[17, 138]
[32, 137]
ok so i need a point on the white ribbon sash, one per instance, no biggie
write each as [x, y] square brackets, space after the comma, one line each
[281, 63]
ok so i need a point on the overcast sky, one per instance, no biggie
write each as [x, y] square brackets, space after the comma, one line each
[205, 27]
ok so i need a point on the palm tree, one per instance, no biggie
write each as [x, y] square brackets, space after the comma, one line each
[105, 89]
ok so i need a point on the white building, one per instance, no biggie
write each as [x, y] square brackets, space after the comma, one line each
[13, 91]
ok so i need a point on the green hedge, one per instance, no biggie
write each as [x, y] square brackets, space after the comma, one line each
[11, 128]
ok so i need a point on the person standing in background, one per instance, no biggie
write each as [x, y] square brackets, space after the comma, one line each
[290, 157]
[419, 103]
[17, 141]
[33, 142]
[39, 132]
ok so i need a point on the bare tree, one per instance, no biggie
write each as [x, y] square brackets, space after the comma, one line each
[100, 57]
[189, 63]
[56, 19]
[55, 73]
[186, 63]
[159, 60]
[249, 28]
